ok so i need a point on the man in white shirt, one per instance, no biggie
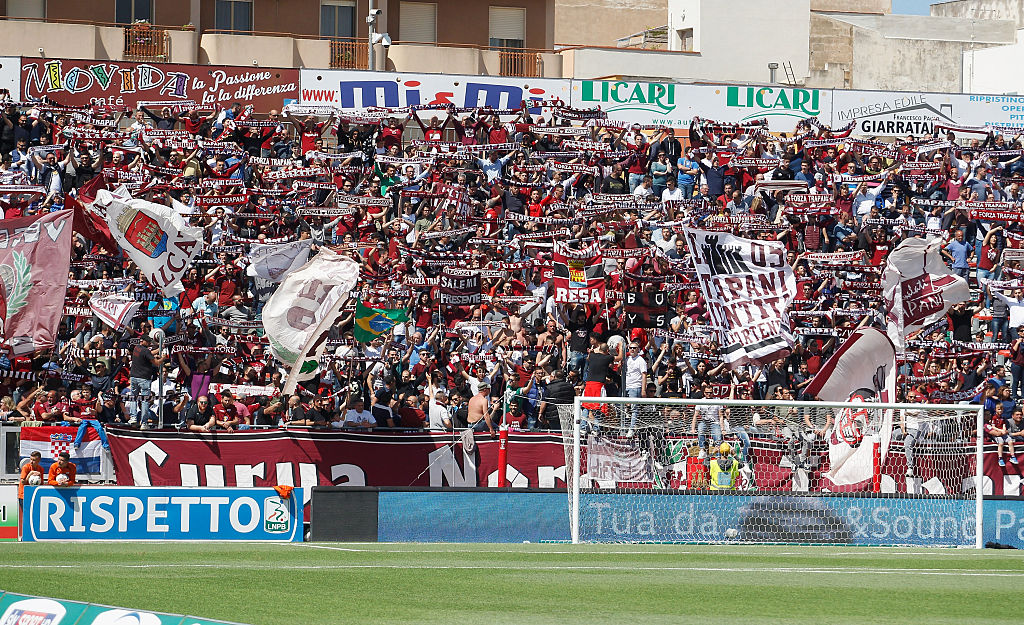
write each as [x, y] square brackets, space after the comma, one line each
[358, 416]
[636, 379]
[440, 415]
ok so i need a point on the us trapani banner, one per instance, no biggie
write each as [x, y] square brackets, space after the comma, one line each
[747, 285]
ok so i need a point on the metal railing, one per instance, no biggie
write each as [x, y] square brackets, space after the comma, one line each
[524, 63]
[143, 42]
[348, 53]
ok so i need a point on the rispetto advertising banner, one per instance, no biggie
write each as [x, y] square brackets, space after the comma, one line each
[18, 609]
[10, 72]
[124, 84]
[187, 514]
[676, 104]
[349, 89]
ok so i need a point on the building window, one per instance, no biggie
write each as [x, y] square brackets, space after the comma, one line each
[129, 11]
[233, 15]
[34, 9]
[507, 28]
[417, 21]
[337, 18]
[686, 39]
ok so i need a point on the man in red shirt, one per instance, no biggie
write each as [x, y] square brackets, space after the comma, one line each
[226, 412]
[310, 130]
[51, 409]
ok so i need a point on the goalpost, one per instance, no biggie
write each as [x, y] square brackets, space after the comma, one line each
[793, 472]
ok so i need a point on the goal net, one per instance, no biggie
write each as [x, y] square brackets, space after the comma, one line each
[656, 470]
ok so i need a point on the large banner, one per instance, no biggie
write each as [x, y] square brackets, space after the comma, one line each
[349, 89]
[155, 237]
[578, 276]
[747, 285]
[35, 255]
[902, 113]
[918, 287]
[191, 514]
[10, 72]
[459, 287]
[124, 84]
[676, 104]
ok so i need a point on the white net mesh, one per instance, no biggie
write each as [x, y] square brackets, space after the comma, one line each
[799, 472]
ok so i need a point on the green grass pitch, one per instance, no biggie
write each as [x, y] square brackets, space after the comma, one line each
[303, 584]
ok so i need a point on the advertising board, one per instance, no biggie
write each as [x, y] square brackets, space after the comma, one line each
[124, 84]
[10, 74]
[349, 89]
[8, 512]
[18, 609]
[191, 514]
[676, 104]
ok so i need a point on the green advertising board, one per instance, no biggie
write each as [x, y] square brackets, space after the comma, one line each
[17, 609]
[8, 513]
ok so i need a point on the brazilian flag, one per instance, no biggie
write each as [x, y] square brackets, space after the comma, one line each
[372, 322]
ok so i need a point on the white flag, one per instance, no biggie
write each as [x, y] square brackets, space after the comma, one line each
[747, 285]
[862, 370]
[274, 262]
[918, 288]
[114, 309]
[155, 237]
[298, 315]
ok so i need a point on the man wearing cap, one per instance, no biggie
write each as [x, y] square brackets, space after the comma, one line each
[65, 467]
[440, 415]
[480, 410]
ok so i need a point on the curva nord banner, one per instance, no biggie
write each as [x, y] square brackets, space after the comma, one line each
[124, 84]
[306, 459]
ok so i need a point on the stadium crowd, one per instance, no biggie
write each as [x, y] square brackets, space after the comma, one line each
[491, 190]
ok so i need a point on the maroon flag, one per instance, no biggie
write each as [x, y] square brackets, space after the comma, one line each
[34, 264]
[87, 193]
[91, 226]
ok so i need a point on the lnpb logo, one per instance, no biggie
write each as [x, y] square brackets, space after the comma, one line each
[771, 101]
[33, 612]
[276, 517]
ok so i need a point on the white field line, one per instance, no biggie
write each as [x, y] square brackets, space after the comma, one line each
[655, 550]
[509, 567]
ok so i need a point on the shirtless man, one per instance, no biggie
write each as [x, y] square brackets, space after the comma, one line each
[479, 417]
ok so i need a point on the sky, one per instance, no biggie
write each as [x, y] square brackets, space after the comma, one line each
[911, 7]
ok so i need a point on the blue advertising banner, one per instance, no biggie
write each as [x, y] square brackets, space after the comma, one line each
[777, 519]
[140, 513]
[1003, 522]
[472, 517]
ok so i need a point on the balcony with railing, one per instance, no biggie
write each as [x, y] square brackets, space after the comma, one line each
[146, 42]
[349, 53]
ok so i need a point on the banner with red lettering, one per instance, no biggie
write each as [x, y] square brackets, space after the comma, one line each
[747, 285]
[35, 256]
[578, 275]
[123, 84]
